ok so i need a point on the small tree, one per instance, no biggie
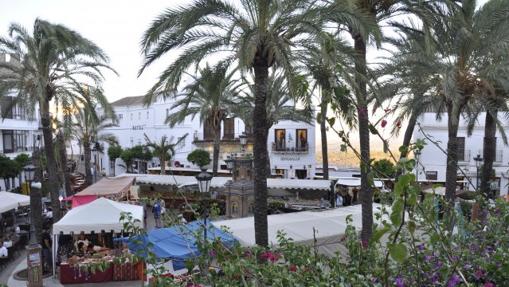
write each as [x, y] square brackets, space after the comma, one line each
[199, 157]
[384, 168]
[21, 161]
[114, 152]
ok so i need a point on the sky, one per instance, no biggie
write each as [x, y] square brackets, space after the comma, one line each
[116, 26]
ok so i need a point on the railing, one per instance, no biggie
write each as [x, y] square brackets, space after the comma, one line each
[285, 149]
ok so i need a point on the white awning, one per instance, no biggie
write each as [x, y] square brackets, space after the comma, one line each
[328, 226]
[272, 183]
[355, 181]
[100, 214]
[10, 200]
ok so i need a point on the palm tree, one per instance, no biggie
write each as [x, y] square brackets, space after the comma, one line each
[46, 64]
[466, 43]
[209, 96]
[258, 34]
[88, 128]
[323, 61]
[164, 150]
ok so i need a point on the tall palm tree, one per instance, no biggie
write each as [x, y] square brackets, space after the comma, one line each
[258, 34]
[323, 61]
[164, 150]
[377, 11]
[466, 42]
[47, 62]
[88, 128]
[209, 96]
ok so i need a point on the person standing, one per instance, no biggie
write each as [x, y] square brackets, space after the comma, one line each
[46, 252]
[156, 209]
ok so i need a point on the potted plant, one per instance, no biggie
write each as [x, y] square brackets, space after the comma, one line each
[200, 158]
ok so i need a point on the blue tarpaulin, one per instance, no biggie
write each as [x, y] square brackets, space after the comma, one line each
[178, 243]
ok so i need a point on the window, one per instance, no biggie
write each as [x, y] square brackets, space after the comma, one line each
[431, 175]
[302, 140]
[139, 115]
[229, 128]
[120, 116]
[167, 112]
[280, 139]
[14, 141]
[131, 116]
[8, 140]
[147, 115]
[461, 149]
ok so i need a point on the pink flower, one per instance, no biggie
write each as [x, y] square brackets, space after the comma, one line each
[293, 268]
[270, 256]
[383, 123]
[489, 284]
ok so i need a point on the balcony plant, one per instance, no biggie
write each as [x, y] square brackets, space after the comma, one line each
[199, 157]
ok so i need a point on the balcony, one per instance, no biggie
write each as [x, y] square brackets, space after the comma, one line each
[290, 150]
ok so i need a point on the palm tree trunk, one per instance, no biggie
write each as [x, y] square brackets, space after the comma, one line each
[51, 164]
[36, 198]
[489, 152]
[88, 155]
[215, 154]
[366, 193]
[412, 121]
[269, 171]
[63, 158]
[261, 69]
[323, 134]
[162, 161]
[451, 173]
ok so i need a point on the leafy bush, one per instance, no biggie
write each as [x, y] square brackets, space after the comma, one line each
[199, 157]
[114, 152]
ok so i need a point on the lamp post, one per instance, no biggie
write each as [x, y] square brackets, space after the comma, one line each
[478, 160]
[29, 172]
[243, 141]
[204, 178]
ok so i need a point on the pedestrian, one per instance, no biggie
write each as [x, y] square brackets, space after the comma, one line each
[46, 252]
[156, 209]
[4, 252]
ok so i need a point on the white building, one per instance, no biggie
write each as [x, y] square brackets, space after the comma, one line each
[19, 130]
[433, 160]
[291, 144]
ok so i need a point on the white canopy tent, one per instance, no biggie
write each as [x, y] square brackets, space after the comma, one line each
[272, 183]
[100, 214]
[10, 200]
[328, 226]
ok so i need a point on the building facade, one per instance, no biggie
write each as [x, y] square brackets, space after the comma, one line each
[19, 128]
[291, 144]
[433, 159]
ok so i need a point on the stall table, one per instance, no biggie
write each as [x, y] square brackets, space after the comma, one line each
[72, 275]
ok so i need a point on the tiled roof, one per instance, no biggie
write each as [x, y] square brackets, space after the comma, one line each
[128, 101]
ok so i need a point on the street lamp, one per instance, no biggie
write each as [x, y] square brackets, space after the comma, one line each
[478, 161]
[29, 171]
[204, 178]
[243, 141]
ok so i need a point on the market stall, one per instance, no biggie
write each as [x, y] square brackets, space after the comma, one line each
[303, 227]
[92, 250]
[115, 188]
[178, 243]
[10, 200]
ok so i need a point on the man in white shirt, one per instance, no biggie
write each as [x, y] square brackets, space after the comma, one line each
[3, 250]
